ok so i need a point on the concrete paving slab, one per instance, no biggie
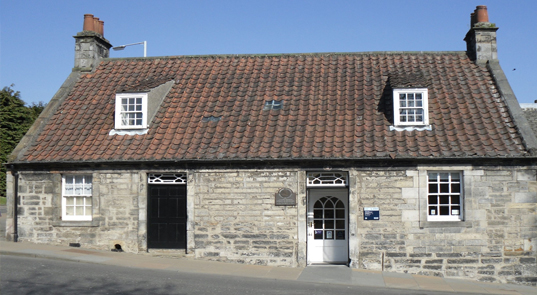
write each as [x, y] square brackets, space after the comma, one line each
[326, 274]
[432, 283]
[367, 278]
[464, 286]
[403, 283]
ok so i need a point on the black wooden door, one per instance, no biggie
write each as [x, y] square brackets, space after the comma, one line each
[166, 220]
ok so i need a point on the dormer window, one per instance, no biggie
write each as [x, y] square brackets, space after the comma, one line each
[410, 107]
[131, 111]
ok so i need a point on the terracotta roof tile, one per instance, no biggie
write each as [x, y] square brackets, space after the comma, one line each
[335, 106]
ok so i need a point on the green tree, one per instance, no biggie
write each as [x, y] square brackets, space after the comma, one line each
[15, 120]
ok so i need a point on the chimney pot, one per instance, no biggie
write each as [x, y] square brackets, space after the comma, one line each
[482, 14]
[101, 28]
[88, 22]
[96, 24]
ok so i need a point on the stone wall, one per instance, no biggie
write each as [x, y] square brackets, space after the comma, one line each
[233, 218]
[115, 212]
[236, 218]
[497, 241]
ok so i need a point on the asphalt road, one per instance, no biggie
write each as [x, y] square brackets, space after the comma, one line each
[24, 275]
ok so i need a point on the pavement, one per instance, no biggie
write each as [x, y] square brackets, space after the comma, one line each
[329, 274]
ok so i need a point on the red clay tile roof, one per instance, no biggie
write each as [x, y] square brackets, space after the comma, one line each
[336, 106]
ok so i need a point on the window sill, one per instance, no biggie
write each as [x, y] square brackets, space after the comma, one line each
[411, 128]
[128, 131]
[440, 224]
[75, 223]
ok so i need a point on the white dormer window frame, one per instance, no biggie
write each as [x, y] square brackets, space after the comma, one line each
[131, 111]
[411, 107]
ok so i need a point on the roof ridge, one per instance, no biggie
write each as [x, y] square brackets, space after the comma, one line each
[283, 54]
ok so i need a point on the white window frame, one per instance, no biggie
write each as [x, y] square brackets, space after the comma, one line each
[434, 190]
[81, 195]
[398, 108]
[120, 123]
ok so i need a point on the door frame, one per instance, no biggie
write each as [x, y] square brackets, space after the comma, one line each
[344, 190]
[148, 210]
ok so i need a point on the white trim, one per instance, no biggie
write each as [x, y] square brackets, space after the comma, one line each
[84, 195]
[452, 216]
[119, 122]
[167, 178]
[424, 106]
[327, 179]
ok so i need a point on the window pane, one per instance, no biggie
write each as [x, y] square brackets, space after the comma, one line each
[444, 177]
[317, 213]
[79, 210]
[444, 188]
[329, 224]
[433, 177]
[340, 224]
[69, 210]
[433, 210]
[318, 224]
[318, 234]
[456, 188]
[444, 210]
[455, 210]
[138, 100]
[69, 201]
[131, 101]
[340, 213]
[433, 200]
[410, 96]
[69, 189]
[444, 199]
[329, 213]
[455, 200]
[329, 204]
[329, 235]
[340, 235]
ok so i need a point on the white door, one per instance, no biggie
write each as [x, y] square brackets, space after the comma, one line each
[327, 226]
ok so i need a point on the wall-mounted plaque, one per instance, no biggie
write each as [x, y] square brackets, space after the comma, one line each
[285, 197]
[371, 213]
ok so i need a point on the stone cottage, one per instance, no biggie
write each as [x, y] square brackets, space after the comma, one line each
[415, 162]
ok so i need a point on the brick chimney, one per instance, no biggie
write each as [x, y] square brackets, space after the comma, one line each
[90, 44]
[481, 38]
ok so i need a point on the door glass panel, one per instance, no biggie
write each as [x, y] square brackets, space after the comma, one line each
[317, 213]
[329, 213]
[340, 213]
[327, 218]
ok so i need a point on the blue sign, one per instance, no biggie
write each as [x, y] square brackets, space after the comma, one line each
[371, 213]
